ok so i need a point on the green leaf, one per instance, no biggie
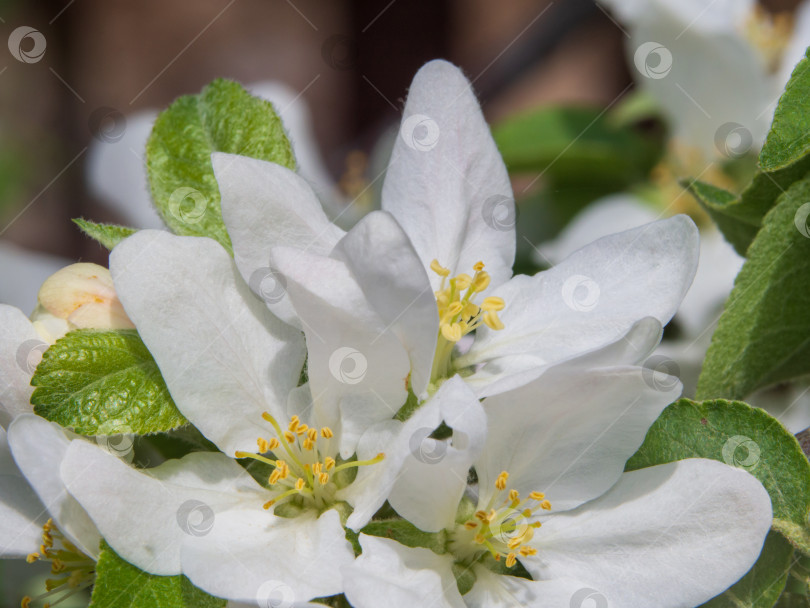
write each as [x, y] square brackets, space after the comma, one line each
[763, 336]
[103, 383]
[122, 585]
[789, 138]
[224, 117]
[764, 583]
[737, 434]
[566, 144]
[109, 235]
[409, 535]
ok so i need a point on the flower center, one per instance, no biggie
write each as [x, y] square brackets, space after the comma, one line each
[76, 571]
[504, 528]
[305, 470]
[459, 314]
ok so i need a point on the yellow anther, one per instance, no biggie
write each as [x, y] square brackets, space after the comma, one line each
[471, 525]
[463, 281]
[58, 566]
[535, 524]
[527, 513]
[453, 310]
[289, 436]
[273, 444]
[308, 444]
[299, 484]
[481, 281]
[268, 504]
[514, 496]
[327, 433]
[329, 462]
[492, 515]
[294, 422]
[491, 319]
[482, 515]
[264, 445]
[479, 539]
[274, 477]
[316, 468]
[26, 602]
[470, 311]
[323, 478]
[510, 560]
[492, 303]
[452, 333]
[515, 542]
[32, 557]
[301, 429]
[526, 550]
[545, 505]
[537, 496]
[500, 482]
[312, 434]
[479, 266]
[439, 269]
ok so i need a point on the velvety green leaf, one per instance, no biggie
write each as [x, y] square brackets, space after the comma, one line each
[738, 220]
[739, 435]
[763, 585]
[122, 585]
[103, 383]
[763, 336]
[789, 138]
[109, 235]
[407, 534]
[575, 144]
[224, 117]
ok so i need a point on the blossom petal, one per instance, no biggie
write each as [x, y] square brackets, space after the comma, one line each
[695, 520]
[224, 356]
[493, 590]
[147, 515]
[404, 576]
[352, 355]
[253, 556]
[39, 447]
[388, 270]
[446, 183]
[587, 301]
[21, 349]
[569, 433]
[434, 474]
[21, 513]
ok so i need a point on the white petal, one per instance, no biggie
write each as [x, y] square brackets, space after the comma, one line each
[39, 447]
[403, 576]
[254, 556]
[388, 270]
[265, 205]
[446, 183]
[695, 520]
[434, 474]
[146, 516]
[21, 350]
[493, 590]
[718, 16]
[569, 433]
[224, 356]
[589, 300]
[21, 513]
[352, 355]
[116, 171]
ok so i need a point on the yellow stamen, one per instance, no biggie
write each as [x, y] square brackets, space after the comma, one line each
[492, 321]
[510, 560]
[289, 436]
[299, 485]
[514, 496]
[329, 462]
[264, 445]
[471, 525]
[327, 433]
[273, 444]
[500, 482]
[452, 333]
[439, 269]
[323, 478]
[481, 281]
[537, 496]
[463, 281]
[479, 266]
[492, 303]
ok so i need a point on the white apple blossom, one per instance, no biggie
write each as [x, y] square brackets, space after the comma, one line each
[553, 496]
[436, 263]
[716, 69]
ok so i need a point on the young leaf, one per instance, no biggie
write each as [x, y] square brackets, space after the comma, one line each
[103, 383]
[764, 583]
[122, 585]
[763, 336]
[789, 138]
[224, 117]
[739, 435]
[109, 235]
